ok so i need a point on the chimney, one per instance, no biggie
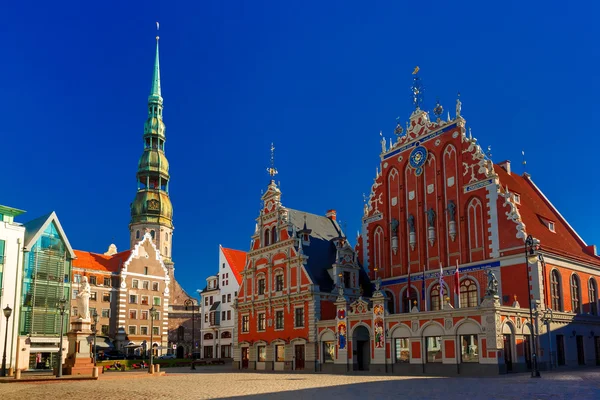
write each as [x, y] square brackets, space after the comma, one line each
[505, 165]
[331, 214]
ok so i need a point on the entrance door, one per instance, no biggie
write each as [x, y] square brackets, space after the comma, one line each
[560, 349]
[245, 357]
[508, 353]
[361, 345]
[180, 352]
[299, 353]
[527, 350]
[580, 352]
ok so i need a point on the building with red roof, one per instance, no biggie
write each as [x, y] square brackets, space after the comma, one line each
[216, 302]
[459, 247]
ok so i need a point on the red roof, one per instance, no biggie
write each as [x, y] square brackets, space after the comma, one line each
[100, 262]
[534, 208]
[236, 260]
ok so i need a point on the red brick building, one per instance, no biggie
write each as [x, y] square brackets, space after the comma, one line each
[295, 262]
[439, 203]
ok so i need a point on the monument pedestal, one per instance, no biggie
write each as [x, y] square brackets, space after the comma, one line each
[78, 360]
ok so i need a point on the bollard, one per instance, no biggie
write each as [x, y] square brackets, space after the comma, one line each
[18, 374]
[11, 371]
[95, 372]
[157, 368]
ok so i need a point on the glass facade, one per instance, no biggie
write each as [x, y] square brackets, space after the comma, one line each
[46, 272]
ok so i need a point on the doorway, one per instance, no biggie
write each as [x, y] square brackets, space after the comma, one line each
[245, 357]
[580, 351]
[527, 350]
[299, 354]
[508, 352]
[560, 349]
[361, 345]
[180, 352]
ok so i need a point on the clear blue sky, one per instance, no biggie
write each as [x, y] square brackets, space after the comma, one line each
[320, 79]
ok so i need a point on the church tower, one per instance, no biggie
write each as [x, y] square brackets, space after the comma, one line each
[152, 210]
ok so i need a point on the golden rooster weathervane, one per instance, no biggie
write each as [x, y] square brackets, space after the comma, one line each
[272, 170]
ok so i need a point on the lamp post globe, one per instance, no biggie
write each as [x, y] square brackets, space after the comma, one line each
[190, 303]
[7, 312]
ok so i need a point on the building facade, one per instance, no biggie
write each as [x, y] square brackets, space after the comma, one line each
[296, 263]
[459, 247]
[217, 300]
[12, 237]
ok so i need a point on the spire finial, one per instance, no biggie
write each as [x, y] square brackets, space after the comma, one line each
[417, 89]
[155, 92]
[458, 105]
[272, 170]
[524, 161]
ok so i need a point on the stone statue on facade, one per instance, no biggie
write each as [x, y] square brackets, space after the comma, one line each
[492, 287]
[394, 225]
[430, 217]
[458, 106]
[83, 300]
[452, 210]
[411, 223]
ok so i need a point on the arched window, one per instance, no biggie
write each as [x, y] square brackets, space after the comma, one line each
[592, 294]
[468, 293]
[434, 297]
[152, 233]
[555, 291]
[267, 237]
[226, 335]
[390, 302]
[575, 294]
[137, 234]
[273, 235]
[167, 237]
[166, 251]
[208, 336]
[408, 302]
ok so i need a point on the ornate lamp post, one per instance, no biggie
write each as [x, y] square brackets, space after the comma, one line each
[190, 303]
[62, 303]
[95, 319]
[7, 312]
[531, 258]
[152, 317]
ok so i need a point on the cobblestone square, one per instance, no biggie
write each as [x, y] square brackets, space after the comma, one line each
[222, 382]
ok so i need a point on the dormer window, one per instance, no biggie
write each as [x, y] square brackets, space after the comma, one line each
[551, 226]
[517, 198]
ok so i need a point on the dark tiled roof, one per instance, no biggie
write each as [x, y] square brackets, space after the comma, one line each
[215, 306]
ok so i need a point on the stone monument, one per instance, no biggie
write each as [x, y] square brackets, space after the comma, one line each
[79, 360]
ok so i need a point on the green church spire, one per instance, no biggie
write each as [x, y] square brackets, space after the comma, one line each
[155, 92]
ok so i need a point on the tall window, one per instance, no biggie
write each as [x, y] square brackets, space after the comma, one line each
[279, 352]
[328, 352]
[468, 348]
[261, 321]
[434, 297]
[402, 350]
[555, 291]
[278, 283]
[592, 290]
[575, 294]
[273, 235]
[92, 280]
[106, 281]
[468, 293]
[299, 320]
[134, 284]
[279, 319]
[267, 237]
[261, 286]
[262, 353]
[245, 323]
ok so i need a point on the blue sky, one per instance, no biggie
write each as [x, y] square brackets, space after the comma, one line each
[319, 79]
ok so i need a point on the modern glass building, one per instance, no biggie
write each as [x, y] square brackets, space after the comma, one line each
[46, 279]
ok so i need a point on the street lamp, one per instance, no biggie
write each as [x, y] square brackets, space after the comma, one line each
[190, 303]
[62, 303]
[152, 316]
[95, 317]
[7, 312]
[531, 258]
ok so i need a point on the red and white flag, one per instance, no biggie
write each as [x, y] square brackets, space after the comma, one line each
[408, 287]
[457, 283]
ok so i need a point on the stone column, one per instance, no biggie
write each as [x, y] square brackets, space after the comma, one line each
[342, 339]
[378, 359]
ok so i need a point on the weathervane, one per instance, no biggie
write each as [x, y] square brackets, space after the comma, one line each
[438, 110]
[417, 89]
[272, 170]
[157, 28]
[398, 130]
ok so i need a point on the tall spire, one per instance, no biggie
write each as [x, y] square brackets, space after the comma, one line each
[155, 92]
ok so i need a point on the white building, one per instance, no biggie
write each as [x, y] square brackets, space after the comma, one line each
[12, 236]
[218, 315]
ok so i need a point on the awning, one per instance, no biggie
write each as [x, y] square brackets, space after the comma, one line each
[104, 343]
[215, 306]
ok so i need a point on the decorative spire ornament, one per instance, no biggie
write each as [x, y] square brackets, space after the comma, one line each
[458, 105]
[398, 130]
[417, 89]
[438, 110]
[272, 170]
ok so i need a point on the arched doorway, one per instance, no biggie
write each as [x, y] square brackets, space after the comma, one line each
[180, 351]
[361, 345]
[508, 345]
[410, 301]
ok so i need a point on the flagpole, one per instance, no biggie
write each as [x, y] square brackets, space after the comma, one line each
[457, 284]
[441, 283]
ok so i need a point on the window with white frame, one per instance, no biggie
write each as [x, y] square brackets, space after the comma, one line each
[133, 299]
[106, 296]
[279, 319]
[299, 317]
[143, 330]
[132, 330]
[135, 284]
[262, 353]
[145, 285]
[106, 313]
[245, 323]
[261, 321]
[155, 286]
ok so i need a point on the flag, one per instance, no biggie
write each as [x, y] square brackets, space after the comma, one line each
[408, 287]
[457, 284]
[157, 25]
[423, 292]
[441, 287]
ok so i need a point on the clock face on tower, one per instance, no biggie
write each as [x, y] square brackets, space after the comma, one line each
[417, 159]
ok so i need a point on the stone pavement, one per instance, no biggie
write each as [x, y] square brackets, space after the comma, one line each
[222, 382]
